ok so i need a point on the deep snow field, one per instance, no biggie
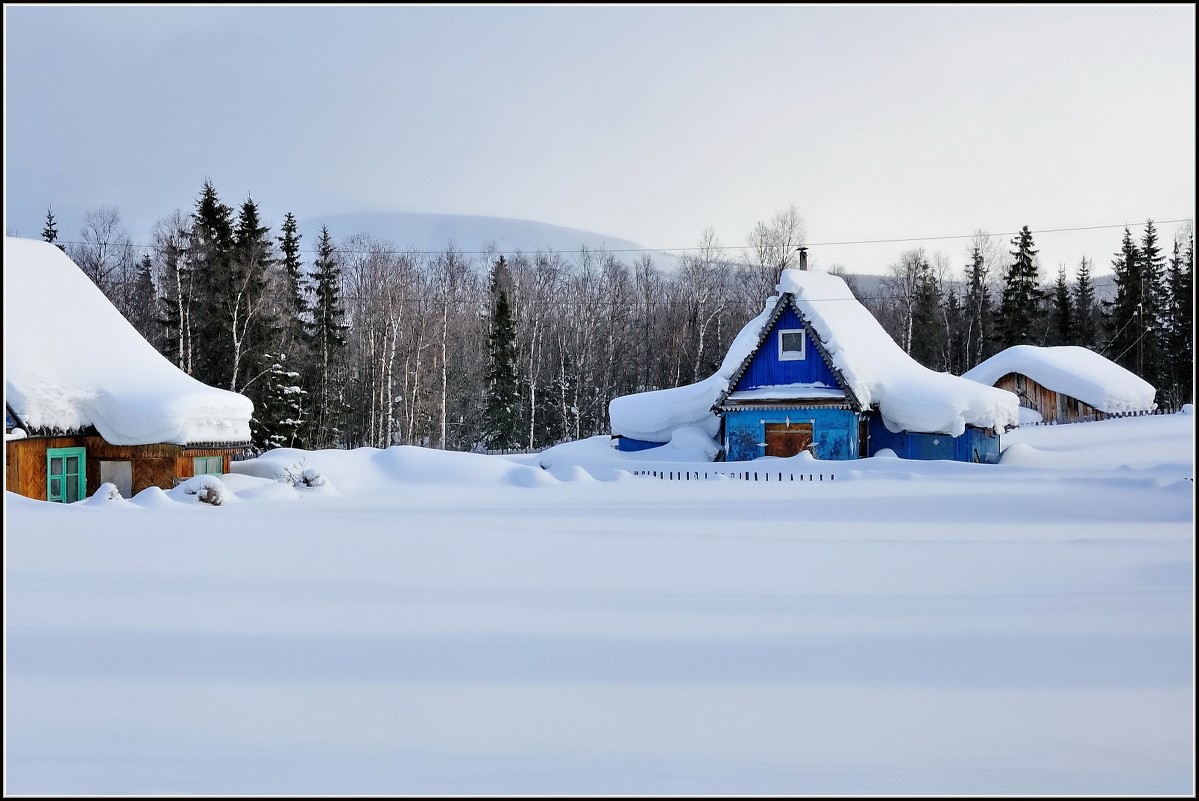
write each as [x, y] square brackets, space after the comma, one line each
[423, 622]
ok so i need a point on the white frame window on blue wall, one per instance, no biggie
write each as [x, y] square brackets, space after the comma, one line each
[791, 354]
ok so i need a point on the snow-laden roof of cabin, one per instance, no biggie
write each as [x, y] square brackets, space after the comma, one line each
[1074, 371]
[909, 396]
[71, 360]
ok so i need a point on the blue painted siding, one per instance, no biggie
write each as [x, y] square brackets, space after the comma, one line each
[974, 445]
[766, 370]
[630, 444]
[977, 446]
[835, 431]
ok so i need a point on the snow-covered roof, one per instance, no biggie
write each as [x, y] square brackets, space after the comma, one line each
[71, 361]
[1074, 371]
[909, 396]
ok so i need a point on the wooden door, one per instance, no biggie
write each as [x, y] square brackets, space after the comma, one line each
[787, 439]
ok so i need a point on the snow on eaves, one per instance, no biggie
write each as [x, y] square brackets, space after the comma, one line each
[1074, 371]
[71, 361]
[909, 396]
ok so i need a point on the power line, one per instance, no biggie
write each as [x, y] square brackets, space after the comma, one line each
[391, 251]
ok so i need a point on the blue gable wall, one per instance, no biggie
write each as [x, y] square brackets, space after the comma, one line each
[766, 370]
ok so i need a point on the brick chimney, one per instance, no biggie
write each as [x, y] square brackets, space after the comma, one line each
[803, 258]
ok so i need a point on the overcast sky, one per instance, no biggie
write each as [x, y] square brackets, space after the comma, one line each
[646, 123]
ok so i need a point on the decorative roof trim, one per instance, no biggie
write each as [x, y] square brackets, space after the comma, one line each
[17, 422]
[764, 406]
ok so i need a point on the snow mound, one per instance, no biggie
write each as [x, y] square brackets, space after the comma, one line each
[366, 471]
[106, 494]
[153, 498]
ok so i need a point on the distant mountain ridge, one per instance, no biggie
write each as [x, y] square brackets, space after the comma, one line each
[468, 233]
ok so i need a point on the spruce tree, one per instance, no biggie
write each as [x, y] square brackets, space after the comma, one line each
[1086, 311]
[977, 309]
[1180, 320]
[1124, 312]
[209, 252]
[295, 288]
[278, 406]
[1061, 312]
[1020, 309]
[294, 341]
[327, 338]
[954, 318]
[1154, 340]
[250, 325]
[50, 232]
[143, 303]
[927, 330]
[502, 406]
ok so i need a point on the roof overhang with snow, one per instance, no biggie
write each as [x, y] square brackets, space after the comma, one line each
[73, 362]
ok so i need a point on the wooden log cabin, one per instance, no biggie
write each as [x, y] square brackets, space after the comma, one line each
[1065, 384]
[77, 418]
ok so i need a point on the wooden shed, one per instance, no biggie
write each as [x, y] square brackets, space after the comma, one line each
[69, 467]
[1065, 384]
[75, 419]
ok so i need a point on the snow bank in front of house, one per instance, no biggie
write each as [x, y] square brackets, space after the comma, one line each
[71, 360]
[654, 416]
[1074, 371]
[370, 471]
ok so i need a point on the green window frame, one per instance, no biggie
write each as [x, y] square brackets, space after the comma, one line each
[208, 465]
[66, 474]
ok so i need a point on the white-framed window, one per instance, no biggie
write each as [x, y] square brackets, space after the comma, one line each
[791, 344]
[119, 473]
[208, 465]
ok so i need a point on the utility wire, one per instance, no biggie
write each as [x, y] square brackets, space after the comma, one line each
[394, 251]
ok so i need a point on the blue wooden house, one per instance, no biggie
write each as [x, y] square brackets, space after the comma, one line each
[826, 378]
[787, 397]
[816, 372]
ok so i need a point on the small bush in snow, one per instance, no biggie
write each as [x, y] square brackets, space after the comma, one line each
[207, 489]
[297, 475]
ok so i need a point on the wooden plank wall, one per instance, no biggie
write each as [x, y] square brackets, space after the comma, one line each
[1052, 406]
[158, 465]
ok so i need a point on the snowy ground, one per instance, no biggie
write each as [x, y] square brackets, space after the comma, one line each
[428, 622]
